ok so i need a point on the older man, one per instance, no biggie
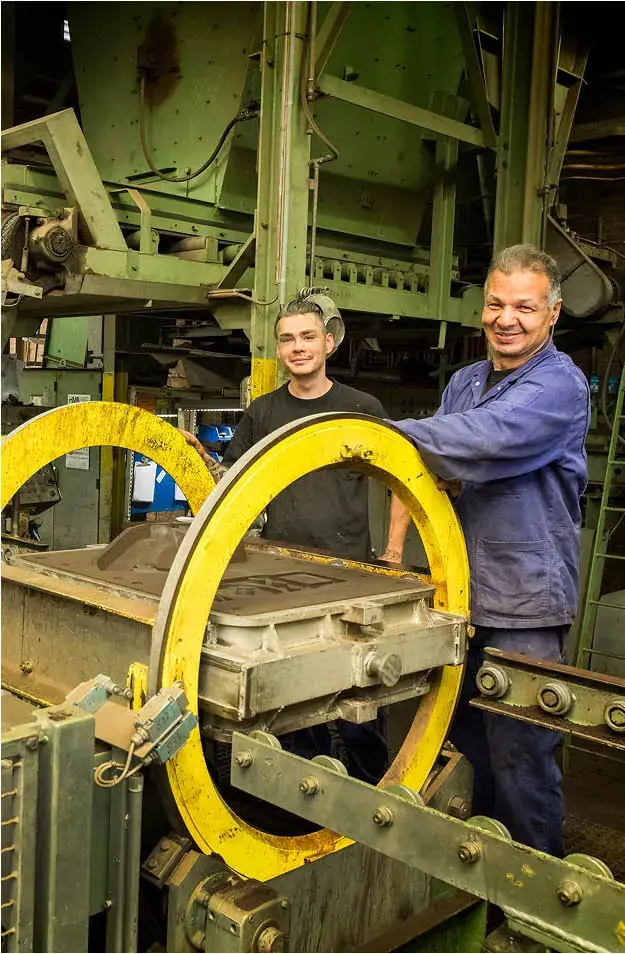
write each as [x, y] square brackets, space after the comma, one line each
[509, 441]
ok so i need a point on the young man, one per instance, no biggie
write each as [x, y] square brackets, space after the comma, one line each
[509, 441]
[326, 510]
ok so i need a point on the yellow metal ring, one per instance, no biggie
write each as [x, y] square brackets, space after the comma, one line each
[268, 468]
[97, 424]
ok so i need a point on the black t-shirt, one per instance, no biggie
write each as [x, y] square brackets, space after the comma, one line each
[496, 377]
[327, 509]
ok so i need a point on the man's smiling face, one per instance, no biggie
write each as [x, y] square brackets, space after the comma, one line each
[517, 316]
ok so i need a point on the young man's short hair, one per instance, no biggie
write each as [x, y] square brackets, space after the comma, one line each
[301, 306]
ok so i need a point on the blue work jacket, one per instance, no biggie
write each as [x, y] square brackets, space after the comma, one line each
[519, 452]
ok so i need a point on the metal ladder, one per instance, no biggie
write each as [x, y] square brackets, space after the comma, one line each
[600, 551]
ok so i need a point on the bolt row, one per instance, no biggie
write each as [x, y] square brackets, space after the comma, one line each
[554, 698]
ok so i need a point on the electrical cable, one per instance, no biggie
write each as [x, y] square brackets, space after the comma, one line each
[250, 112]
[98, 775]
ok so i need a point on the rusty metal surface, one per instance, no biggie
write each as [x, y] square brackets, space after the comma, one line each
[536, 716]
[552, 695]
[132, 605]
[52, 640]
[69, 614]
[571, 673]
[267, 580]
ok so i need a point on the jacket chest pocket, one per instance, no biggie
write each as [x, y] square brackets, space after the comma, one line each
[512, 578]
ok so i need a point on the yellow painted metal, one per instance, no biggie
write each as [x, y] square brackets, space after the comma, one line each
[101, 424]
[264, 376]
[137, 681]
[381, 451]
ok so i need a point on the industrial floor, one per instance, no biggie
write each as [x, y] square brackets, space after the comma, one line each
[594, 788]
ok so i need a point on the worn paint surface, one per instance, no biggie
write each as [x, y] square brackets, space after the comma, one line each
[260, 475]
[101, 424]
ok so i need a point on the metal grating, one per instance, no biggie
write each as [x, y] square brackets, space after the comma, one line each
[589, 838]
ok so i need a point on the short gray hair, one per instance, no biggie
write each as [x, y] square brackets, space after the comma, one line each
[528, 258]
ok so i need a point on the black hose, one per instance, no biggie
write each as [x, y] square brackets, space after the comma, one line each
[243, 116]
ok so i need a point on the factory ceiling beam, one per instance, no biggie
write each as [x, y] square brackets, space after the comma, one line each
[475, 75]
[329, 32]
[602, 129]
[395, 108]
[76, 171]
[563, 133]
[526, 106]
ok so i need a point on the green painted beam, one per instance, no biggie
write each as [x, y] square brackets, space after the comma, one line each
[372, 299]
[475, 76]
[387, 106]
[329, 32]
[76, 171]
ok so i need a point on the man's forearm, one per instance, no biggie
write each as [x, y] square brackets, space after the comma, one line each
[399, 523]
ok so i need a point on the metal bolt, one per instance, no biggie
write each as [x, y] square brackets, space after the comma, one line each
[164, 845]
[492, 681]
[569, 893]
[271, 940]
[152, 863]
[555, 698]
[469, 852]
[383, 817]
[284, 903]
[618, 717]
[614, 715]
[244, 759]
[386, 668]
[26, 666]
[458, 807]
[32, 744]
[309, 785]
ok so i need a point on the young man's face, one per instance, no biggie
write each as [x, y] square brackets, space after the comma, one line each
[517, 318]
[303, 344]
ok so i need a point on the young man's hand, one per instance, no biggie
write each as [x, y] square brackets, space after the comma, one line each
[196, 444]
[216, 469]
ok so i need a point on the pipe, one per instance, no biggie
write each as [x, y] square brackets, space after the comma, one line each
[117, 866]
[192, 243]
[312, 46]
[313, 224]
[133, 862]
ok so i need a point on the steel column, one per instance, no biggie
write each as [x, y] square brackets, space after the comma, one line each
[525, 108]
[64, 830]
[542, 88]
[282, 199]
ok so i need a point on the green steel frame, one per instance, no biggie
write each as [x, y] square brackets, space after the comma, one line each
[109, 277]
